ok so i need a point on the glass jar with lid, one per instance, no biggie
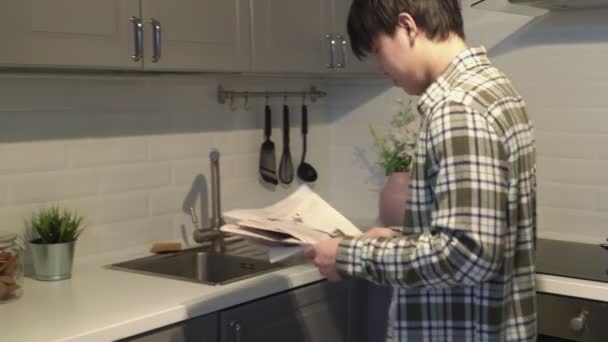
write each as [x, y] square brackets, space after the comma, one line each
[11, 267]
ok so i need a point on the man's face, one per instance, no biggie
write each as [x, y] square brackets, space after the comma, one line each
[399, 61]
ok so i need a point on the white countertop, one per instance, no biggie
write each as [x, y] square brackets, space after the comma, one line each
[99, 304]
[593, 290]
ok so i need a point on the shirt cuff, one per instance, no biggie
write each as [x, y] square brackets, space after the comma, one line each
[349, 261]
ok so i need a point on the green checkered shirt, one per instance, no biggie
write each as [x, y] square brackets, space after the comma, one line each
[463, 270]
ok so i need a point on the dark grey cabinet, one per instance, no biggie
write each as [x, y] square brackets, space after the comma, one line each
[320, 312]
[317, 312]
[199, 329]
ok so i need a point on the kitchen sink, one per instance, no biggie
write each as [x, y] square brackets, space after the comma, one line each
[199, 265]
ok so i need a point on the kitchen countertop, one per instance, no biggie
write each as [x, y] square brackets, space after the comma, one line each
[580, 288]
[100, 304]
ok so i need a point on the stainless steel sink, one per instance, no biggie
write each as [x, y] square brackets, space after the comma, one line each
[200, 266]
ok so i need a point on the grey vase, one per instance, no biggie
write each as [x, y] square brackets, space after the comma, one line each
[393, 198]
[52, 261]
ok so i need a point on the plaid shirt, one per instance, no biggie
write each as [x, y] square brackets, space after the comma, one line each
[463, 270]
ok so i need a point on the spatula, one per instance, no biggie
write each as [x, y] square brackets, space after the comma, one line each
[268, 161]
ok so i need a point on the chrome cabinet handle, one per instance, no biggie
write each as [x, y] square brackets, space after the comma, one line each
[343, 44]
[236, 325]
[332, 51]
[138, 31]
[156, 42]
[577, 324]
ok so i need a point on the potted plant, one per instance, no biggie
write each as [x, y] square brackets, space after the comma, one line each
[53, 248]
[395, 154]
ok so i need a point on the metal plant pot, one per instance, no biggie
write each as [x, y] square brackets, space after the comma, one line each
[52, 261]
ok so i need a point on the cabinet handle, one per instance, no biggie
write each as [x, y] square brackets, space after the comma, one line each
[156, 42]
[343, 44]
[577, 324]
[332, 51]
[236, 326]
[138, 31]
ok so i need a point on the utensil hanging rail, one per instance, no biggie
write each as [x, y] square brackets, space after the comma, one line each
[313, 94]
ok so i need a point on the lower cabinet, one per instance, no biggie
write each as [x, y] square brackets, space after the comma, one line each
[315, 313]
[199, 329]
[321, 312]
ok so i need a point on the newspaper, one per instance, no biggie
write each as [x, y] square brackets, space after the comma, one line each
[300, 219]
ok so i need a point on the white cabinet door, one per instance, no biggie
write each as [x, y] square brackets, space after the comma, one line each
[68, 33]
[289, 35]
[197, 35]
[346, 60]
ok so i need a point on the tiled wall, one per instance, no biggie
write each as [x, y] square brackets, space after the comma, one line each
[558, 62]
[130, 152]
[356, 177]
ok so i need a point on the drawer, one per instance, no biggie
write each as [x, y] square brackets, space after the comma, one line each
[572, 318]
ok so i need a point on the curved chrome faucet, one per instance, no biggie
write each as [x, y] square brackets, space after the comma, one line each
[213, 232]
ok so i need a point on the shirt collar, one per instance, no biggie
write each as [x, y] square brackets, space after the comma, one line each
[468, 59]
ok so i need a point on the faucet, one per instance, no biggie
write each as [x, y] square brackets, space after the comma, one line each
[212, 233]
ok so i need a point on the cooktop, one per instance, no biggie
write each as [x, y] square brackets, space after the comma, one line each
[572, 259]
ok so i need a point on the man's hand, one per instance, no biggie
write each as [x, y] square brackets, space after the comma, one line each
[380, 232]
[323, 255]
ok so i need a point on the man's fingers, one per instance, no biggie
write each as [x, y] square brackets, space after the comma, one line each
[309, 252]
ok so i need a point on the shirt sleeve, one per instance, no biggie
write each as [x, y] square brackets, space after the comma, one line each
[467, 174]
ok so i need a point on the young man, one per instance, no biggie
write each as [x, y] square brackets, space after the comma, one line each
[463, 267]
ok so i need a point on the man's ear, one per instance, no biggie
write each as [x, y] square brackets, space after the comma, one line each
[407, 22]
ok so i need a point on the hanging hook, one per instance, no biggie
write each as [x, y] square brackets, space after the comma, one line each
[246, 104]
[233, 106]
[284, 98]
[267, 96]
[303, 99]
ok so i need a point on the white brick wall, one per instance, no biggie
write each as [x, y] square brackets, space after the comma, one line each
[130, 152]
[356, 178]
[558, 63]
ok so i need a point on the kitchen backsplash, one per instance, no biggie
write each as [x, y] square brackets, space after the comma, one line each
[130, 152]
[558, 64]
[356, 178]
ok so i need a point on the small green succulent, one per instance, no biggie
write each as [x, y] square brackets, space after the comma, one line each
[56, 226]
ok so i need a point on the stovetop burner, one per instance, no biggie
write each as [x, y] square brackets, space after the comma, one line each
[572, 259]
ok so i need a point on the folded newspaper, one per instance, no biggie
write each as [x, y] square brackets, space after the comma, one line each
[300, 219]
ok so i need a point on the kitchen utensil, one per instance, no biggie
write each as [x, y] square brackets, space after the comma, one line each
[306, 172]
[286, 165]
[268, 162]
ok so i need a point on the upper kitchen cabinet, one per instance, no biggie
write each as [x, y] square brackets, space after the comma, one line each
[195, 35]
[180, 35]
[68, 33]
[344, 60]
[288, 35]
[303, 36]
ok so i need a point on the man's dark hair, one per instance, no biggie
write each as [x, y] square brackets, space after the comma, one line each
[438, 19]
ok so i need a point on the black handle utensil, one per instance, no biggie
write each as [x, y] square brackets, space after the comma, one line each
[268, 160]
[306, 172]
[286, 166]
